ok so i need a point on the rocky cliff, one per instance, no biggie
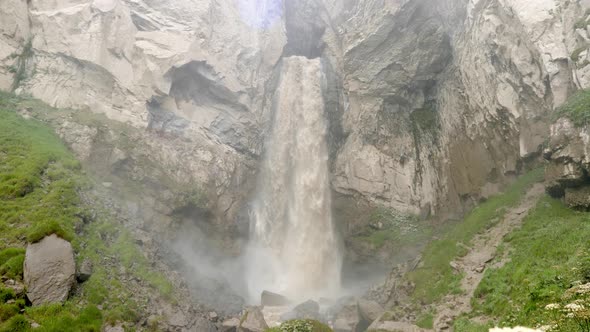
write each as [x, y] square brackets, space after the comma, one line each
[432, 105]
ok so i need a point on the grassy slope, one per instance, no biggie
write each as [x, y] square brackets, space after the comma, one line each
[40, 185]
[548, 255]
[577, 108]
[435, 278]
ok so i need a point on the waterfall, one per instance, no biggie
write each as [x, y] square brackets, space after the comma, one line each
[293, 236]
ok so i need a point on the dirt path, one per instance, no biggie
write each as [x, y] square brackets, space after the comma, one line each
[482, 252]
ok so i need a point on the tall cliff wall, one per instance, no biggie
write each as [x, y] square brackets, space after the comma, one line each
[432, 104]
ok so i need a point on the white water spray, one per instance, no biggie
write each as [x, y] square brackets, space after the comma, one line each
[294, 243]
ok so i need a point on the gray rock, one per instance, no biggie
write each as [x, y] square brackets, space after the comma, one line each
[252, 321]
[230, 325]
[348, 320]
[49, 270]
[85, 271]
[306, 310]
[369, 310]
[273, 299]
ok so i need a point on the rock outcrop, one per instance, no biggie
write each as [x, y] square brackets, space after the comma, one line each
[568, 152]
[49, 271]
[432, 105]
[252, 321]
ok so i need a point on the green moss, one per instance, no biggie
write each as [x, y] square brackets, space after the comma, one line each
[19, 68]
[435, 278]
[6, 294]
[54, 318]
[549, 254]
[577, 108]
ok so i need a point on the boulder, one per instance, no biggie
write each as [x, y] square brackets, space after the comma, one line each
[273, 299]
[306, 310]
[369, 310]
[230, 325]
[252, 321]
[85, 271]
[348, 320]
[49, 270]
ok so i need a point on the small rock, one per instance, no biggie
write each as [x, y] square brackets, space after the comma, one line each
[35, 325]
[107, 184]
[480, 269]
[85, 271]
[230, 325]
[454, 265]
[116, 328]
[273, 299]
[17, 287]
[213, 316]
[49, 270]
[252, 321]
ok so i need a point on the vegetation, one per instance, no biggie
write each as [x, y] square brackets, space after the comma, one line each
[545, 282]
[396, 230]
[425, 321]
[436, 278]
[41, 190]
[299, 325]
[577, 108]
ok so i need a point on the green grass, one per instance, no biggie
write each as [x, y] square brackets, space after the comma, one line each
[435, 278]
[425, 321]
[577, 108]
[549, 255]
[40, 186]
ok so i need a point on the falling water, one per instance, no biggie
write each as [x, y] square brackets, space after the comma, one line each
[296, 247]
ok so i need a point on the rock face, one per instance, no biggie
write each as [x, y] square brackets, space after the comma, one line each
[252, 321]
[566, 175]
[49, 270]
[432, 105]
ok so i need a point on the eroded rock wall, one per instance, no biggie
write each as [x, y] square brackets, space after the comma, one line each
[432, 104]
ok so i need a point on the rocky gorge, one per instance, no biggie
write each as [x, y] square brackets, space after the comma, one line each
[432, 107]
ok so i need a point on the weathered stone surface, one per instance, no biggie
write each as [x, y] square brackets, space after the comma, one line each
[272, 299]
[348, 319]
[84, 271]
[49, 270]
[307, 310]
[230, 325]
[568, 153]
[369, 310]
[389, 326]
[252, 321]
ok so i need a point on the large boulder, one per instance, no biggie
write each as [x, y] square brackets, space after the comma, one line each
[49, 270]
[253, 321]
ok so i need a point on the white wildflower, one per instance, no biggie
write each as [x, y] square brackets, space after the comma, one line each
[574, 307]
[552, 306]
[514, 329]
